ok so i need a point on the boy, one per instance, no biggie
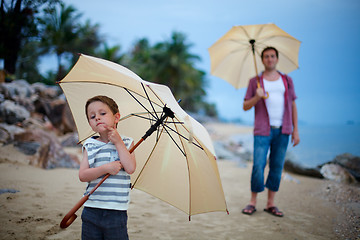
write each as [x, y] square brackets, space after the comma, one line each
[105, 213]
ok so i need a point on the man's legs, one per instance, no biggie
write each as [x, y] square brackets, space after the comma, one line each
[271, 198]
[278, 149]
[261, 148]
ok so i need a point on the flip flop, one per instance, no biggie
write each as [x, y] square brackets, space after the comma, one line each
[274, 211]
[250, 209]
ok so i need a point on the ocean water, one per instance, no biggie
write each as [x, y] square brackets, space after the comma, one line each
[319, 144]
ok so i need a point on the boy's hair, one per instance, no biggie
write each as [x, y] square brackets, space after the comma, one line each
[269, 48]
[104, 99]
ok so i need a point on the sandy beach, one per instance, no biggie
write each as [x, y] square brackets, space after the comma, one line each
[313, 208]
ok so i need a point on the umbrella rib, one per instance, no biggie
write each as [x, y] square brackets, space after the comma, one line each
[145, 164]
[164, 127]
[189, 182]
[147, 96]
[246, 33]
[184, 137]
[154, 116]
[136, 115]
[156, 95]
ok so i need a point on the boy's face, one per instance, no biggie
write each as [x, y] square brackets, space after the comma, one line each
[100, 117]
[269, 59]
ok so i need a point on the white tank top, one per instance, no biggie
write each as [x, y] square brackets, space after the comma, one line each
[275, 102]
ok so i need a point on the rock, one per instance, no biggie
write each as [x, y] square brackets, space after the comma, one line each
[28, 148]
[222, 152]
[7, 132]
[47, 92]
[336, 173]
[4, 136]
[12, 113]
[350, 162]
[67, 121]
[48, 150]
[6, 190]
[289, 178]
[58, 112]
[70, 140]
[17, 89]
[298, 169]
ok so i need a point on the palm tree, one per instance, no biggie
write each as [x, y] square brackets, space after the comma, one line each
[18, 20]
[175, 68]
[140, 60]
[60, 31]
[172, 64]
[111, 53]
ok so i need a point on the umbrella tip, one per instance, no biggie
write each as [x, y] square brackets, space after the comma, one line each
[252, 41]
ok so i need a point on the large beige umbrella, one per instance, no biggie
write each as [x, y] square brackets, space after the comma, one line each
[176, 163]
[235, 55]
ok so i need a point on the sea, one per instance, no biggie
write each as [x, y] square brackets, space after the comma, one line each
[318, 144]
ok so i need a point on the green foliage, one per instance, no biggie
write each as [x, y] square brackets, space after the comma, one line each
[58, 31]
[28, 62]
[111, 53]
[171, 63]
[18, 24]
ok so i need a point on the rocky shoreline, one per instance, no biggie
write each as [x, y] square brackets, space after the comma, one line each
[37, 120]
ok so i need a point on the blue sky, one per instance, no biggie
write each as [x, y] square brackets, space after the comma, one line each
[327, 82]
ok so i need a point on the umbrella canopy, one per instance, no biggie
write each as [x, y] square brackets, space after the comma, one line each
[177, 164]
[233, 56]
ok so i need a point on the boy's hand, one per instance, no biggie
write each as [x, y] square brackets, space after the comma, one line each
[113, 167]
[113, 135]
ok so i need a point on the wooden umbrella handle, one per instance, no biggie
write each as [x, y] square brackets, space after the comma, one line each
[71, 216]
[258, 85]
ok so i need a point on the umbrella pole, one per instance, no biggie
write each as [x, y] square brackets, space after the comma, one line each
[252, 42]
[71, 216]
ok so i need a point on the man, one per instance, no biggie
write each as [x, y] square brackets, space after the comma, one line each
[275, 120]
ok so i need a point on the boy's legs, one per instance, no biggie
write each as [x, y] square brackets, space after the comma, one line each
[115, 225]
[90, 224]
[104, 224]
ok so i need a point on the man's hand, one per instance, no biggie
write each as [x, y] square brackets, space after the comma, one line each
[260, 92]
[295, 139]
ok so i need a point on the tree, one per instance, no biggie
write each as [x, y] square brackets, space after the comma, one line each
[111, 53]
[18, 24]
[171, 63]
[60, 30]
[64, 35]
[28, 62]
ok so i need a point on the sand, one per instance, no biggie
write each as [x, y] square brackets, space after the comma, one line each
[45, 196]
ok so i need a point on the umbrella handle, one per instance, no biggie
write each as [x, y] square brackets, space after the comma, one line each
[71, 216]
[266, 93]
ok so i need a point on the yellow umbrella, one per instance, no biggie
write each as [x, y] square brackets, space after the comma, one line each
[178, 163]
[234, 55]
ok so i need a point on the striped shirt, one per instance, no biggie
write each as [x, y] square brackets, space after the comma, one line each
[114, 192]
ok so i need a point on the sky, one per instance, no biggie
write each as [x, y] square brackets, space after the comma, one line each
[327, 82]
